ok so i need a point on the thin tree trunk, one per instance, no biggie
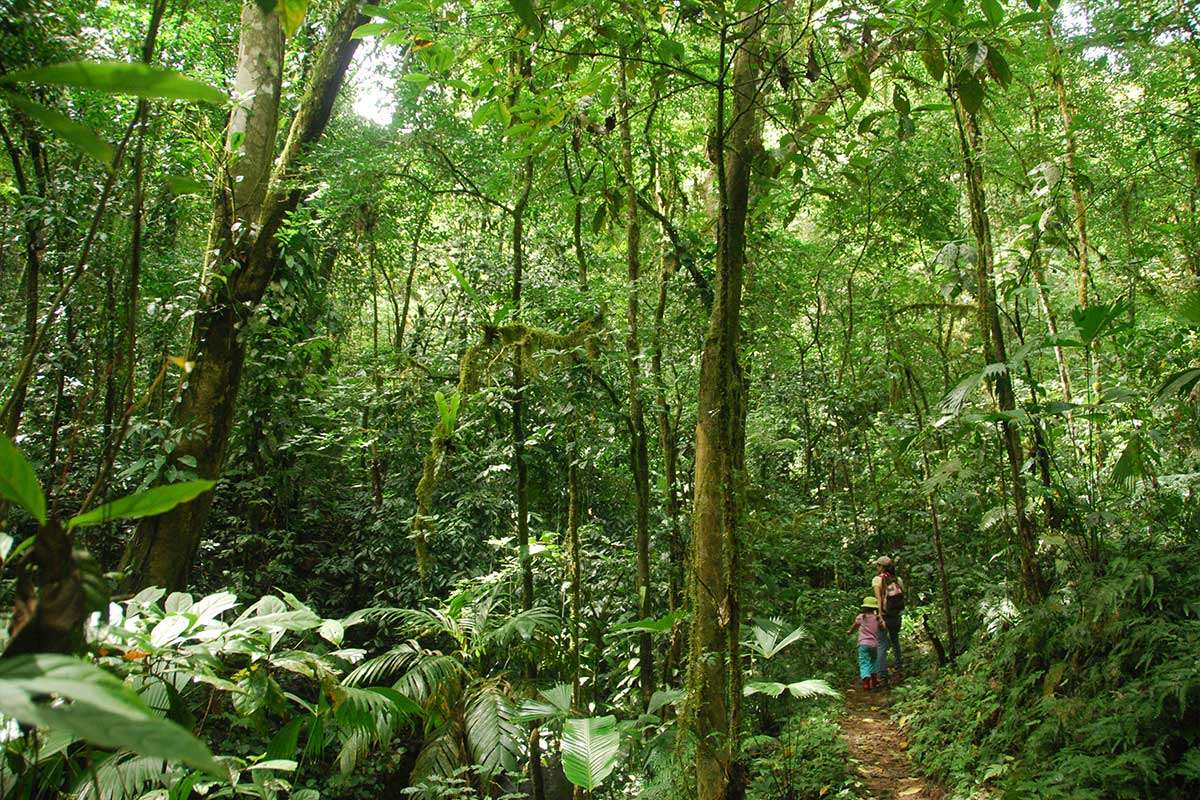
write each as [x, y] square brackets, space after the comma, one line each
[402, 323]
[715, 672]
[638, 451]
[934, 522]
[1083, 279]
[992, 333]
[518, 389]
[33, 271]
[669, 443]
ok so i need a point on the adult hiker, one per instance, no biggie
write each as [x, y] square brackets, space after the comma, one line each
[889, 593]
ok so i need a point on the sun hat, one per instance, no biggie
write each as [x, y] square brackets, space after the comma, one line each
[870, 602]
[884, 561]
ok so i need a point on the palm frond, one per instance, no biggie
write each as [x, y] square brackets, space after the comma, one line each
[440, 756]
[519, 627]
[428, 674]
[120, 776]
[555, 704]
[492, 734]
[385, 665]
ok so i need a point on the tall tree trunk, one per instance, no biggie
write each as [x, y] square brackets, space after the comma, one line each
[1033, 583]
[1083, 277]
[669, 442]
[520, 469]
[638, 451]
[33, 271]
[518, 388]
[163, 548]
[715, 672]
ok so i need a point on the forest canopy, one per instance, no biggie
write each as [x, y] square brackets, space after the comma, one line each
[520, 398]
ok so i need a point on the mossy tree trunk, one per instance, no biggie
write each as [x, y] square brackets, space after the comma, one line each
[715, 675]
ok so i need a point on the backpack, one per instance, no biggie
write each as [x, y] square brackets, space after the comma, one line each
[893, 593]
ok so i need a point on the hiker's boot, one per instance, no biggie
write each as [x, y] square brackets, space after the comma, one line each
[866, 684]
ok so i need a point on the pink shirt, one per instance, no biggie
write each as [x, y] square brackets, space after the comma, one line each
[868, 629]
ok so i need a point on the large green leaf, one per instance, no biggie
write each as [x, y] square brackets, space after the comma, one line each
[1178, 384]
[291, 14]
[118, 77]
[528, 16]
[771, 637]
[149, 503]
[993, 11]
[98, 709]
[81, 137]
[589, 750]
[802, 690]
[18, 482]
[663, 624]
[1097, 319]
[555, 704]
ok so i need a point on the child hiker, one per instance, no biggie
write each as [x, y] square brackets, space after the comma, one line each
[867, 625]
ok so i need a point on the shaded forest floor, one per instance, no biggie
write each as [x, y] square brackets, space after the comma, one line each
[878, 749]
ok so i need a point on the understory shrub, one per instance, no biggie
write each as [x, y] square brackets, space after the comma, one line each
[1091, 694]
[808, 760]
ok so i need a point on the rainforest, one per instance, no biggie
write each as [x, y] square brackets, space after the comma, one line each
[599, 399]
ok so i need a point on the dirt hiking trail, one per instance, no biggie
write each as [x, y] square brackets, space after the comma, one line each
[878, 750]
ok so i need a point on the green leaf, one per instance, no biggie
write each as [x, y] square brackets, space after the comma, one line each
[144, 504]
[935, 62]
[370, 29]
[100, 709]
[1178, 384]
[465, 285]
[769, 688]
[1095, 320]
[858, 78]
[118, 77]
[528, 16]
[803, 690]
[589, 750]
[998, 68]
[951, 9]
[598, 217]
[970, 92]
[993, 11]
[771, 637]
[291, 14]
[181, 184]
[19, 483]
[493, 737]
[1135, 462]
[663, 624]
[78, 136]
